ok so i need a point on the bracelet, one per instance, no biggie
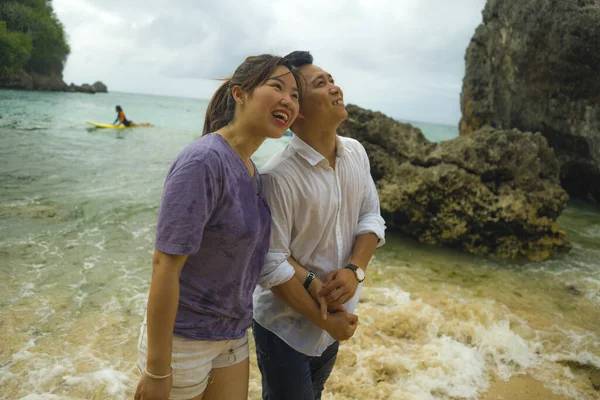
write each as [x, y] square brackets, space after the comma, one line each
[309, 278]
[149, 375]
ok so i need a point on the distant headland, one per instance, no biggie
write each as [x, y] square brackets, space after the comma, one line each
[34, 49]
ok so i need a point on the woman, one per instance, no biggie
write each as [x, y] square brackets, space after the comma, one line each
[121, 119]
[212, 237]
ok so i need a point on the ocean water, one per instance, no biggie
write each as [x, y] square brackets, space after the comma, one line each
[78, 209]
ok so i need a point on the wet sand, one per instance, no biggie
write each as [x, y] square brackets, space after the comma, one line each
[522, 387]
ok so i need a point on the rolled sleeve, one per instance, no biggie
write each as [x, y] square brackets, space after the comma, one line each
[372, 223]
[277, 269]
[370, 219]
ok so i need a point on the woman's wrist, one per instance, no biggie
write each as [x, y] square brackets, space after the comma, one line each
[157, 377]
[159, 367]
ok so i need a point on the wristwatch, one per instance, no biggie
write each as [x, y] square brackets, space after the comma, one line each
[309, 278]
[358, 272]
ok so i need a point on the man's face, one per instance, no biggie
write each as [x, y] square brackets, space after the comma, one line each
[323, 99]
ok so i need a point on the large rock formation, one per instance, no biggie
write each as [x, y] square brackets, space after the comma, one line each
[534, 65]
[493, 192]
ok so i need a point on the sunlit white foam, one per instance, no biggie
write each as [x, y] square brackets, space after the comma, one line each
[114, 382]
[24, 353]
[441, 352]
[48, 396]
[46, 372]
[592, 289]
[27, 289]
[142, 232]
[584, 358]
[504, 349]
[439, 369]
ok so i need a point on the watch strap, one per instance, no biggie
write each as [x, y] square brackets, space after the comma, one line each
[351, 267]
[355, 268]
[309, 278]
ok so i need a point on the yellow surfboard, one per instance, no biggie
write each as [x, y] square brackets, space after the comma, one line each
[109, 126]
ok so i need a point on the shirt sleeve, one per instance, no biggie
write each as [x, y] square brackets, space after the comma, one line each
[277, 269]
[369, 219]
[189, 197]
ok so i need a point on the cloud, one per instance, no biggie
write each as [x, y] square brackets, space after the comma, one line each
[403, 57]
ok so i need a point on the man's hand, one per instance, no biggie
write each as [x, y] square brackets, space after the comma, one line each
[339, 286]
[340, 324]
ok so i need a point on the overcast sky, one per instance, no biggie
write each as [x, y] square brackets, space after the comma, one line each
[402, 57]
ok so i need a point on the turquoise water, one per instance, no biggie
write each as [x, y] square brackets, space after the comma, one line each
[78, 209]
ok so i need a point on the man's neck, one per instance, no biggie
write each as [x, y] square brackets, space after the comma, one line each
[322, 140]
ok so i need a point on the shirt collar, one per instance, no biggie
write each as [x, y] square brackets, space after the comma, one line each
[311, 155]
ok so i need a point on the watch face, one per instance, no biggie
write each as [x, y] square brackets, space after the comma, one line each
[361, 274]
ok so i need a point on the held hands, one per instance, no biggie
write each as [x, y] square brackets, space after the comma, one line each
[314, 289]
[339, 287]
[153, 389]
[340, 324]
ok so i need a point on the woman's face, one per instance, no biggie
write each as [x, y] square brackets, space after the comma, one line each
[272, 107]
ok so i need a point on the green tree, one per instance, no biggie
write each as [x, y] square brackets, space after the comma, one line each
[31, 38]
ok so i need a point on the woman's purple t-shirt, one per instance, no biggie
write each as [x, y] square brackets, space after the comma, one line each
[214, 211]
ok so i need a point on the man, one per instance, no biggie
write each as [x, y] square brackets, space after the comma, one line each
[326, 226]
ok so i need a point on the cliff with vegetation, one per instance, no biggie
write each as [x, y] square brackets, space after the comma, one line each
[34, 48]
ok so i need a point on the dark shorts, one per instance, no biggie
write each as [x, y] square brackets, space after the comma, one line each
[126, 122]
[288, 374]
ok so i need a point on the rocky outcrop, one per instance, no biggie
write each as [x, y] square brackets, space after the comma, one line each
[492, 192]
[97, 87]
[32, 81]
[100, 87]
[85, 88]
[19, 81]
[53, 83]
[534, 65]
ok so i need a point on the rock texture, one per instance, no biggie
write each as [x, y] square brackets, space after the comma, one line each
[100, 87]
[534, 65]
[33, 81]
[492, 192]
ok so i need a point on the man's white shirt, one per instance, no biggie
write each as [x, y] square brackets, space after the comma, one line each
[317, 212]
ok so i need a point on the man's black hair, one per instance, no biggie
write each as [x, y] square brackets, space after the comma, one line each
[299, 58]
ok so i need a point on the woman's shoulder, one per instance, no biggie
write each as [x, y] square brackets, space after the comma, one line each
[201, 152]
[205, 148]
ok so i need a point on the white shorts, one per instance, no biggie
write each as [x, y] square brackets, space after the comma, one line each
[192, 361]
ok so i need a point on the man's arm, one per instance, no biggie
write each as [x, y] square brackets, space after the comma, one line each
[340, 325]
[340, 285]
[314, 287]
[279, 272]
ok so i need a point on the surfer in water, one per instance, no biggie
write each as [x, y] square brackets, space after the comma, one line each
[122, 120]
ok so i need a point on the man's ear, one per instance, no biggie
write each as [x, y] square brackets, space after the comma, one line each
[300, 116]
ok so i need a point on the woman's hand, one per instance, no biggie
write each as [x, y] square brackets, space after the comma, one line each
[153, 389]
[314, 288]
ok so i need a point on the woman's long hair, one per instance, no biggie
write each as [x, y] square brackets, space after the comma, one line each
[253, 72]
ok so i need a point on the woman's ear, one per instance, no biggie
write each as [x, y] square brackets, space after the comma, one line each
[238, 94]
